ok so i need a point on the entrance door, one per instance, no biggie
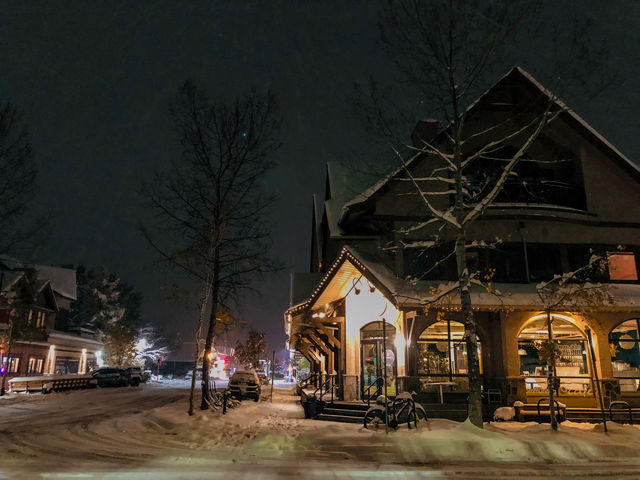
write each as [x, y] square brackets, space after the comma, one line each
[372, 365]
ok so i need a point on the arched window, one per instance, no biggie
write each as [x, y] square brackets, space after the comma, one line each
[571, 362]
[625, 354]
[442, 352]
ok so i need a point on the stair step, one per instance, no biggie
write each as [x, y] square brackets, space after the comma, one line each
[339, 418]
[344, 412]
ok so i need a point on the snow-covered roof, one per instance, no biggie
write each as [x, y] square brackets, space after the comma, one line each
[63, 280]
[576, 119]
[9, 277]
[302, 284]
[411, 293]
[343, 184]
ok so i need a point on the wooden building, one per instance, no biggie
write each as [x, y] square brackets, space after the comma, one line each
[583, 198]
[51, 348]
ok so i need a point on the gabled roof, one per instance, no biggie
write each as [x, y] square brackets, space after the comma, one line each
[515, 73]
[63, 280]
[440, 294]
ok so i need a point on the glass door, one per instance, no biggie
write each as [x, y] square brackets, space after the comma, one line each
[374, 361]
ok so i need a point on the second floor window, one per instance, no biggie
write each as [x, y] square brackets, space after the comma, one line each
[622, 266]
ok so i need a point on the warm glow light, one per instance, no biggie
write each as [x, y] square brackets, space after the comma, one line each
[99, 358]
[51, 359]
[82, 368]
[553, 315]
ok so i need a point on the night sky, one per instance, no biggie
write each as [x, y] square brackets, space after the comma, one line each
[94, 81]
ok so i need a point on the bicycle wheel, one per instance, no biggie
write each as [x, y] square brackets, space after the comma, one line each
[417, 418]
[374, 419]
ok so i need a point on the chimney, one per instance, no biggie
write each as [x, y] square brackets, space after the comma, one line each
[425, 131]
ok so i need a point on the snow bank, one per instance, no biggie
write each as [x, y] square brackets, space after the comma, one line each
[148, 428]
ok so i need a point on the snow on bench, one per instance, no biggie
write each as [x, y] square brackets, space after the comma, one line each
[48, 383]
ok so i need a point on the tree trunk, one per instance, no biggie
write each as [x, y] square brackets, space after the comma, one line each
[203, 307]
[551, 366]
[471, 340]
[215, 289]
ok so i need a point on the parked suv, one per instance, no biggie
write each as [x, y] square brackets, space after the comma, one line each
[111, 377]
[134, 375]
[245, 383]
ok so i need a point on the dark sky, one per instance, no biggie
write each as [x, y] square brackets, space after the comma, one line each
[94, 80]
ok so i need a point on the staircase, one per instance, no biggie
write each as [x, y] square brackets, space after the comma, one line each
[347, 412]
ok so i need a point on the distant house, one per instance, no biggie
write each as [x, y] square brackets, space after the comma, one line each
[52, 349]
[363, 272]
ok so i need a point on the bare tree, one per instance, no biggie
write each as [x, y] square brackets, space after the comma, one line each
[446, 52]
[209, 207]
[17, 183]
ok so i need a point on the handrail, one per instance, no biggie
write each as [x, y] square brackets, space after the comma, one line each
[623, 404]
[555, 403]
[331, 380]
[367, 391]
[306, 380]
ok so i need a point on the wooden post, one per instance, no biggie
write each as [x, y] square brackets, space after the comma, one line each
[273, 362]
[384, 375]
[551, 365]
[595, 374]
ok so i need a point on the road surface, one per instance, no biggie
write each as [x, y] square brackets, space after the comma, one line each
[131, 433]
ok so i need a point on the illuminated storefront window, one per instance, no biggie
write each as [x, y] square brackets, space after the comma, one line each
[35, 364]
[442, 353]
[625, 354]
[571, 362]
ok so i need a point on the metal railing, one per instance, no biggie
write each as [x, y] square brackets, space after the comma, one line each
[366, 393]
[557, 408]
[325, 387]
[306, 381]
[623, 405]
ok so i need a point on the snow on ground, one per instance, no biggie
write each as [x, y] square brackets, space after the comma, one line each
[145, 433]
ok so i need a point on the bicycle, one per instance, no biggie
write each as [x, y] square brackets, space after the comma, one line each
[402, 409]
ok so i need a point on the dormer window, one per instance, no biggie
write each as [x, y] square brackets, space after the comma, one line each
[554, 178]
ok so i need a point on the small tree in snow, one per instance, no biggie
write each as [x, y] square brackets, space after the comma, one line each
[249, 353]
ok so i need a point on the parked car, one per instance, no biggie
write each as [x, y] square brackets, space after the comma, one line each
[146, 375]
[134, 375]
[111, 377]
[264, 379]
[189, 374]
[245, 383]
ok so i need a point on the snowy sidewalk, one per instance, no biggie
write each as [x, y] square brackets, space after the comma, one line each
[146, 433]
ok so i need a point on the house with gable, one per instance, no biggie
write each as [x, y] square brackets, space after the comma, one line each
[51, 347]
[372, 306]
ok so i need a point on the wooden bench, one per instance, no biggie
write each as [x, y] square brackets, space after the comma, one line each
[48, 383]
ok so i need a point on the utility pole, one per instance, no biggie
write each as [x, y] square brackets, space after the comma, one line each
[273, 362]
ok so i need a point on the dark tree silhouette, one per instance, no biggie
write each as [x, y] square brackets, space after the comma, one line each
[17, 184]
